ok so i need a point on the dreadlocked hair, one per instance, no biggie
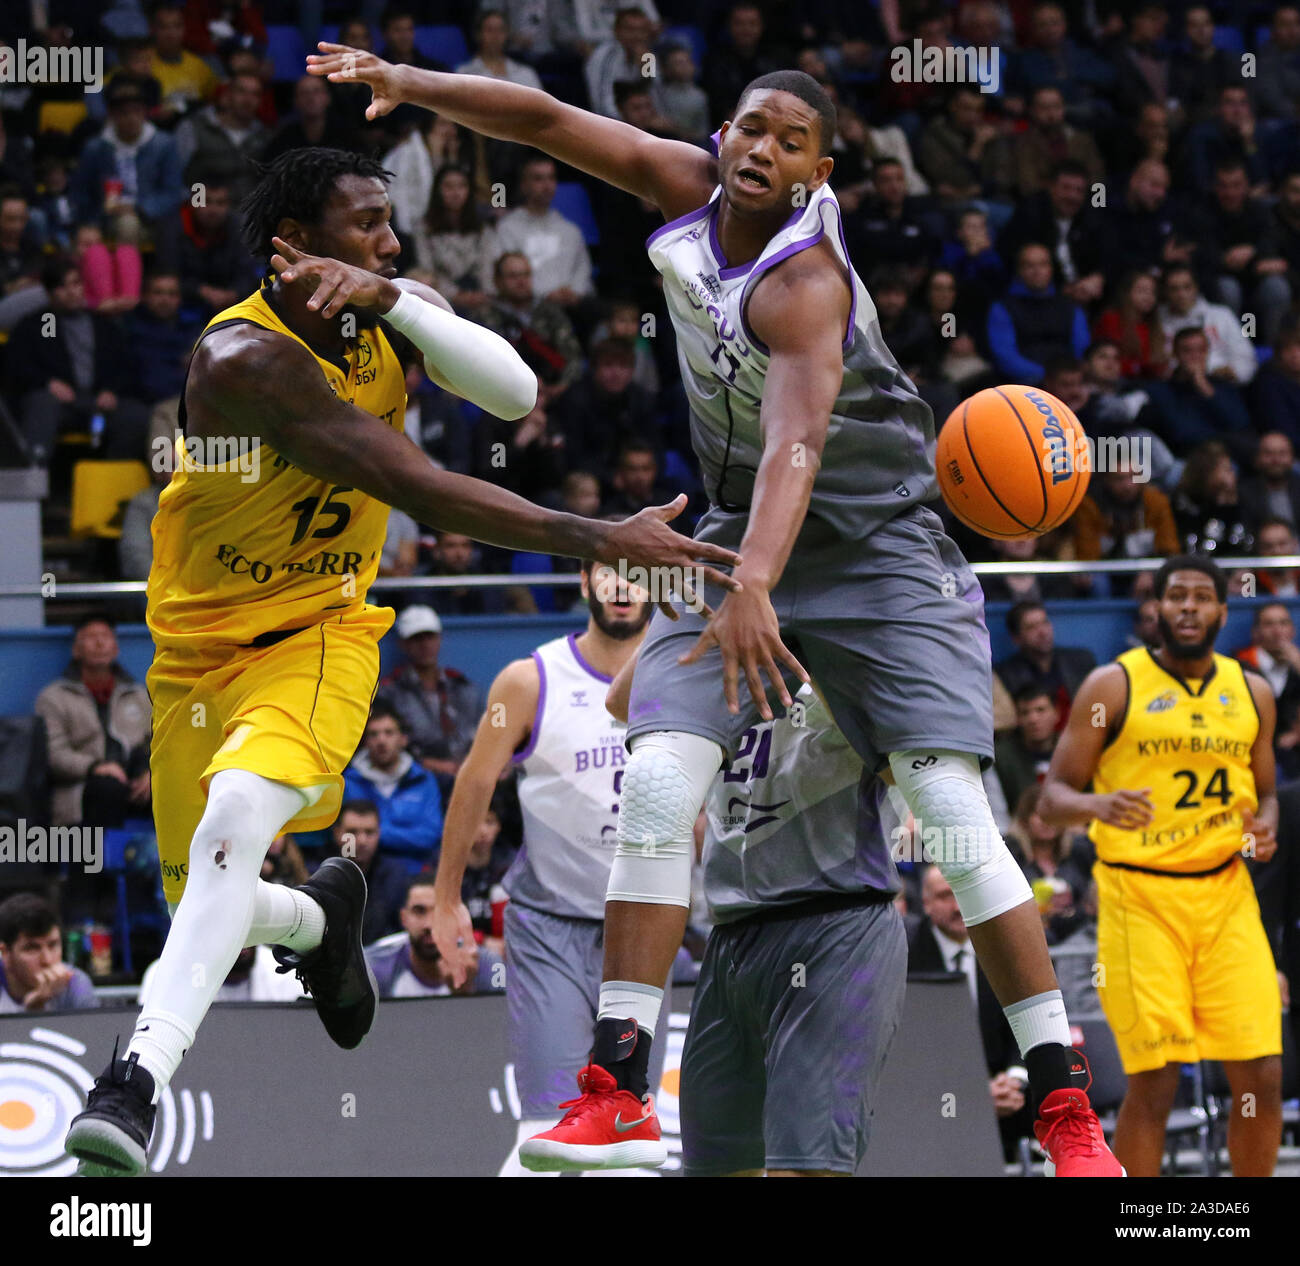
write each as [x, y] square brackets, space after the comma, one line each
[296, 186]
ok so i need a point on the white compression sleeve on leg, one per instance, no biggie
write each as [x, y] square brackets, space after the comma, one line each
[955, 826]
[667, 777]
[283, 915]
[470, 359]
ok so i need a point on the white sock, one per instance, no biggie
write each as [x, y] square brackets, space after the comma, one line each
[1038, 1020]
[527, 1128]
[285, 916]
[244, 814]
[629, 1000]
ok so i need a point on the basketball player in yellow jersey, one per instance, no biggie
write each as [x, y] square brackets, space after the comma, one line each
[1178, 746]
[266, 651]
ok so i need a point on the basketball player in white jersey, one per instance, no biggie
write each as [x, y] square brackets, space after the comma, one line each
[546, 716]
[818, 456]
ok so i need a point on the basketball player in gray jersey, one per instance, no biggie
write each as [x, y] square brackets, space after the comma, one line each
[818, 455]
[546, 717]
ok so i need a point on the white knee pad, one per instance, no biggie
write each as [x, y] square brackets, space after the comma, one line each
[955, 826]
[667, 777]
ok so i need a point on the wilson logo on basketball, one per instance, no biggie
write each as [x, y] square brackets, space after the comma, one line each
[1061, 459]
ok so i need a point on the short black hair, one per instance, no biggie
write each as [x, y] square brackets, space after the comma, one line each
[1273, 520]
[382, 710]
[626, 88]
[26, 914]
[1069, 167]
[55, 269]
[94, 617]
[425, 878]
[1191, 562]
[297, 185]
[1264, 606]
[1032, 690]
[358, 804]
[1016, 616]
[807, 89]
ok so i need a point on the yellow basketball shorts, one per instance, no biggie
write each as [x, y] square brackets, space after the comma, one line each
[293, 712]
[1186, 972]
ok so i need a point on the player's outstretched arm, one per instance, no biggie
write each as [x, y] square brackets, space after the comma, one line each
[269, 388]
[1097, 711]
[503, 728]
[675, 176]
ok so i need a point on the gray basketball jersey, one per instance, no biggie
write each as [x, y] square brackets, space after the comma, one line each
[879, 454]
[795, 817]
[569, 778]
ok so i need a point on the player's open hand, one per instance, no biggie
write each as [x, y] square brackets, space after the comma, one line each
[1129, 810]
[746, 631]
[645, 540]
[453, 934]
[341, 64]
[337, 284]
[1258, 837]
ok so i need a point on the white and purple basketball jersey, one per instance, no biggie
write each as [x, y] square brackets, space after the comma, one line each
[570, 774]
[879, 454]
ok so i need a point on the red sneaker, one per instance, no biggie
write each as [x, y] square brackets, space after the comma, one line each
[605, 1128]
[1070, 1134]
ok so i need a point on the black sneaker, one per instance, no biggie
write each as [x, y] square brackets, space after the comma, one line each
[111, 1137]
[336, 973]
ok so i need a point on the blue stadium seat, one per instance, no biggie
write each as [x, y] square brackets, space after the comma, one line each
[284, 46]
[691, 36]
[536, 565]
[572, 203]
[444, 44]
[1229, 39]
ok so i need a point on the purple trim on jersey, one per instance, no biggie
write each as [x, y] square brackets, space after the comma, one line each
[784, 253]
[853, 287]
[716, 141]
[726, 272]
[577, 654]
[520, 757]
[680, 223]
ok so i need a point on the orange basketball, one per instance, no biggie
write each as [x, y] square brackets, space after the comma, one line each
[1013, 462]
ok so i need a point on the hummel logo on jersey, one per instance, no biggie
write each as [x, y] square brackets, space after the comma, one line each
[1162, 703]
[624, 1126]
[578, 699]
[926, 763]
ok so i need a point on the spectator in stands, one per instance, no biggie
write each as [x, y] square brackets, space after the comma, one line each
[1037, 659]
[434, 420]
[1277, 66]
[743, 57]
[605, 408]
[313, 122]
[1021, 756]
[619, 59]
[1200, 70]
[528, 455]
[33, 975]
[1060, 218]
[581, 493]
[54, 208]
[1276, 538]
[1192, 407]
[1026, 586]
[398, 28]
[135, 546]
[1231, 358]
[1124, 516]
[953, 146]
[594, 20]
[636, 481]
[1285, 227]
[357, 835]
[491, 38]
[97, 719]
[128, 180]
[976, 265]
[255, 977]
[634, 103]
[161, 338]
[955, 318]
[1048, 852]
[408, 964]
[677, 96]
[1207, 506]
[489, 858]
[1132, 322]
[1251, 272]
[1033, 322]
[457, 555]
[64, 373]
[283, 863]
[1052, 57]
[219, 143]
[893, 226]
[1146, 625]
[1146, 232]
[1274, 655]
[1277, 386]
[1049, 141]
[406, 794]
[21, 291]
[941, 943]
[1273, 491]
[539, 31]
[216, 270]
[184, 79]
[1149, 140]
[1229, 138]
[1141, 58]
[456, 243]
[440, 706]
[414, 163]
[401, 546]
[554, 246]
[625, 323]
[111, 276]
[905, 330]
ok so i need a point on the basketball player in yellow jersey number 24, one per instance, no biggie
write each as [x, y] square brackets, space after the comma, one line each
[1178, 745]
[266, 651]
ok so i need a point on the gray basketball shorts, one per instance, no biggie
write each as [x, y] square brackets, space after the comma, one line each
[553, 971]
[789, 1031]
[890, 627]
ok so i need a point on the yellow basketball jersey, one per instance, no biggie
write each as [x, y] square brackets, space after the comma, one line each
[1190, 742]
[246, 545]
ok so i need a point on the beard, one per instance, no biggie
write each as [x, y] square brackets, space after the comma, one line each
[619, 630]
[1186, 650]
[426, 951]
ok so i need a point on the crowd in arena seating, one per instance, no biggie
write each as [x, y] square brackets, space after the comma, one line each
[1112, 213]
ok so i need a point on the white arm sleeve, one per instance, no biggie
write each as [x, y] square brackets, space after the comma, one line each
[468, 359]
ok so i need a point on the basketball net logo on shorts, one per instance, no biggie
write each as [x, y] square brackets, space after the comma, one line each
[43, 1086]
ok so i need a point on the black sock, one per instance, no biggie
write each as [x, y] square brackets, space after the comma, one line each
[622, 1049]
[1048, 1065]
